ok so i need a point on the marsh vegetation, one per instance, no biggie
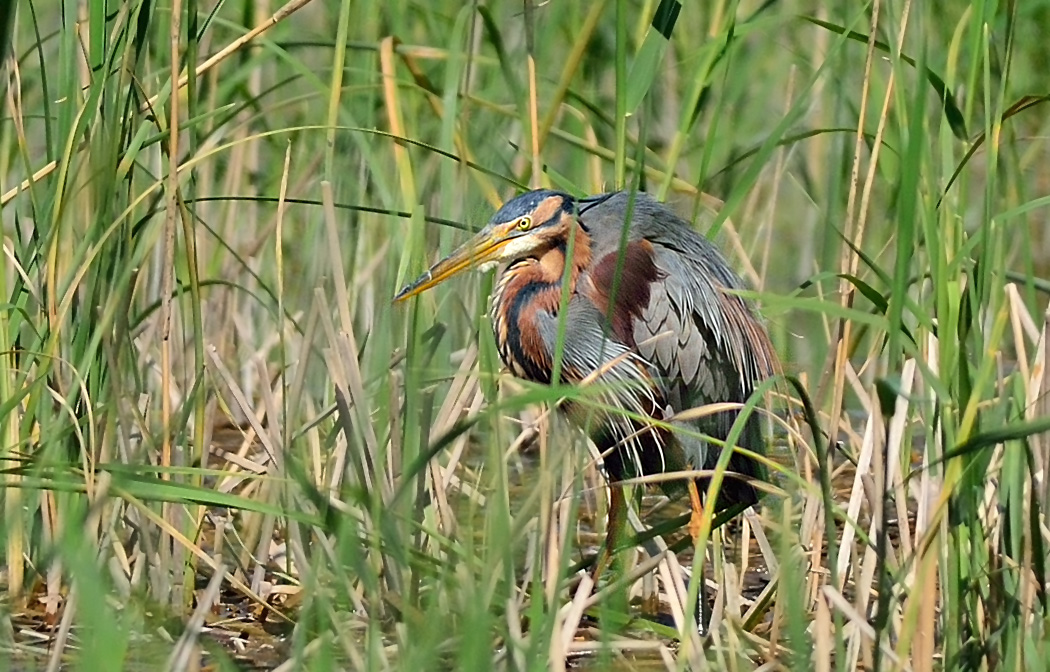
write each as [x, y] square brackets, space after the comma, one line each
[220, 444]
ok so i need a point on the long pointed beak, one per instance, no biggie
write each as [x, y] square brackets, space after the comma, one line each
[482, 248]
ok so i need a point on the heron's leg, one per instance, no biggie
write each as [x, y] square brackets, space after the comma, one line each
[703, 612]
[698, 511]
[613, 529]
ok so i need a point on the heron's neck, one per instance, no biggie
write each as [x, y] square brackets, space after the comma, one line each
[550, 268]
[527, 287]
[535, 283]
[541, 276]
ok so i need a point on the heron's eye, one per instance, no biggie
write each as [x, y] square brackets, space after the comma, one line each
[524, 223]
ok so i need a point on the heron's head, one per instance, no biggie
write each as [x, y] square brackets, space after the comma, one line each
[524, 227]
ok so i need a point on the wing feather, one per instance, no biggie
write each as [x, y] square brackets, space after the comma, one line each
[619, 378]
[705, 343]
[720, 351]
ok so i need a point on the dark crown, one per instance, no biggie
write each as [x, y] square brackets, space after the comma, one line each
[526, 203]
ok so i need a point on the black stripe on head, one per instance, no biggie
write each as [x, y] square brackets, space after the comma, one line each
[586, 204]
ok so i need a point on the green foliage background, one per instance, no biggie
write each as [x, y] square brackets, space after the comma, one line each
[178, 312]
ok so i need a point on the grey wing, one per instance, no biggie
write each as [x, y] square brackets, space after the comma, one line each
[703, 337]
[711, 349]
[704, 342]
[588, 354]
[616, 379]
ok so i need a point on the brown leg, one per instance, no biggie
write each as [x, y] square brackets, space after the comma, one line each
[698, 511]
[613, 529]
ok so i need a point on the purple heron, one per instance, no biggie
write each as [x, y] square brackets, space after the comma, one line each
[648, 319]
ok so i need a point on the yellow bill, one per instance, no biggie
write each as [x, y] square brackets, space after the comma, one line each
[485, 247]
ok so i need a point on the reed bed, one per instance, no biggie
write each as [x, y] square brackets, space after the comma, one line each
[221, 446]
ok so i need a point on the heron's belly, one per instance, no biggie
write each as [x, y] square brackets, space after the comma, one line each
[629, 448]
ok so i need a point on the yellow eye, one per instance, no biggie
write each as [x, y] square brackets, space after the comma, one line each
[524, 223]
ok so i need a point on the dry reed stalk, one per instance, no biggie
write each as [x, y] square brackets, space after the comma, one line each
[823, 644]
[923, 602]
[854, 230]
[856, 499]
[568, 621]
[837, 601]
